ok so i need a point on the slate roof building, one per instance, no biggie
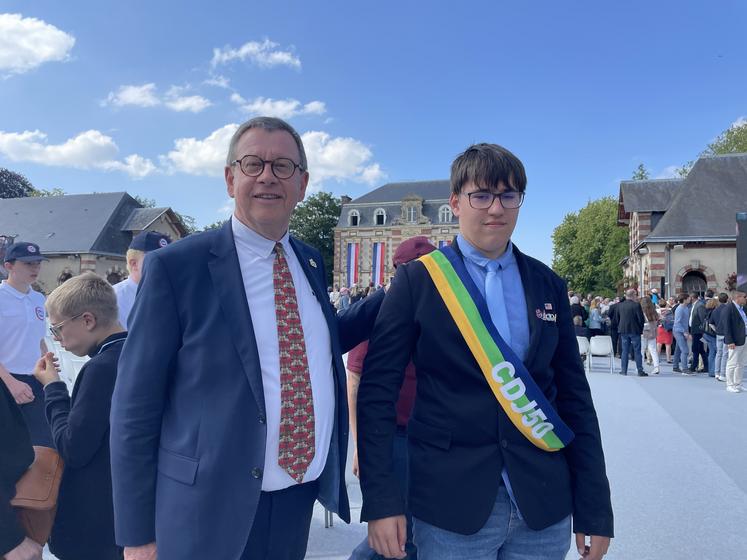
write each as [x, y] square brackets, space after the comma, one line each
[83, 232]
[682, 232]
[372, 226]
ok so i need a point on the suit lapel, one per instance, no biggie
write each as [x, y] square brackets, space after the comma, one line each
[229, 286]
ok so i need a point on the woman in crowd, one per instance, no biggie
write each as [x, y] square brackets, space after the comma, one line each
[649, 330]
[577, 310]
[664, 331]
[595, 318]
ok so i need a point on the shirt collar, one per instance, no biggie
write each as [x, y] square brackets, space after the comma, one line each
[257, 244]
[108, 341]
[14, 292]
[506, 260]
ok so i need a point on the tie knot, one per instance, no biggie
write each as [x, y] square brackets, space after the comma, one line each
[279, 249]
[493, 266]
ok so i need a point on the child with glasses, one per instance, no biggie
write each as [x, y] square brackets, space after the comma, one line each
[83, 315]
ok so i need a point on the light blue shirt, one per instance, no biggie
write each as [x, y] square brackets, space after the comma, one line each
[513, 290]
[741, 313]
[681, 318]
[516, 305]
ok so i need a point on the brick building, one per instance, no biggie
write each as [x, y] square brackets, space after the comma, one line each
[682, 232]
[372, 226]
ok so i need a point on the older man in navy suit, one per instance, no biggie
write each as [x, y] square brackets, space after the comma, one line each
[229, 417]
[504, 445]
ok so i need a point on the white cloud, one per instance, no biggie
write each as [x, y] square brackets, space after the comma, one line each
[200, 157]
[218, 81]
[281, 108]
[139, 96]
[669, 172]
[146, 96]
[330, 158]
[264, 54]
[226, 210]
[88, 150]
[339, 159]
[26, 43]
[740, 122]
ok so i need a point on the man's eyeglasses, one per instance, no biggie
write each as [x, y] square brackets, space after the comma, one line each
[56, 330]
[254, 166]
[482, 200]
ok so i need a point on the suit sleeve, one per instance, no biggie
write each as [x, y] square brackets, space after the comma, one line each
[357, 321]
[138, 404]
[79, 432]
[389, 352]
[592, 507]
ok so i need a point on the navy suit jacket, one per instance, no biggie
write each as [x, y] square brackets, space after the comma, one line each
[188, 422]
[459, 437]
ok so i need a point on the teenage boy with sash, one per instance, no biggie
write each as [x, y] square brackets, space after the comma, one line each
[504, 443]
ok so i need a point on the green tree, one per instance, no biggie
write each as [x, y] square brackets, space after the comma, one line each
[641, 173]
[215, 225]
[733, 140]
[588, 246]
[314, 220]
[14, 185]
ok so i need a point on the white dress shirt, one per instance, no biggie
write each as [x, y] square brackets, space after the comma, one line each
[22, 327]
[256, 258]
[126, 291]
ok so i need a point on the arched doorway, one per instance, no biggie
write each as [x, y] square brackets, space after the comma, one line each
[64, 276]
[114, 277]
[694, 281]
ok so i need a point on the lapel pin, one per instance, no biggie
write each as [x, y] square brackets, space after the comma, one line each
[312, 262]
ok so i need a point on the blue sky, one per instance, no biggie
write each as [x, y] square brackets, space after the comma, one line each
[142, 96]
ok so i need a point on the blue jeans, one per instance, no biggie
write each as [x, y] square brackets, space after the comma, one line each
[627, 341]
[722, 355]
[682, 349]
[711, 341]
[504, 536]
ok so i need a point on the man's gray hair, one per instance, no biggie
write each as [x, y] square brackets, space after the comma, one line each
[631, 293]
[266, 123]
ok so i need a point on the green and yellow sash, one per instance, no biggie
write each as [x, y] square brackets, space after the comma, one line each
[513, 386]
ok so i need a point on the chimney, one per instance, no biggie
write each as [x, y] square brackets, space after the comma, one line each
[345, 199]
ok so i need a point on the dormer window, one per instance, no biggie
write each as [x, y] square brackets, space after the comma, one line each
[412, 214]
[354, 218]
[380, 217]
[444, 214]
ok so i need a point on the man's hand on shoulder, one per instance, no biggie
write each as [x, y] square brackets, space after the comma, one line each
[387, 536]
[596, 549]
[145, 552]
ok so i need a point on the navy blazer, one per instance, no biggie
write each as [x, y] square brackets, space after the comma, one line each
[188, 424]
[459, 437]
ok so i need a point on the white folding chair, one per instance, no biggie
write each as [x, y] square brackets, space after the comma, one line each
[583, 347]
[601, 346]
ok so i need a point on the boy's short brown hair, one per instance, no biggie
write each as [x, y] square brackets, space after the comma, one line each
[487, 165]
[85, 292]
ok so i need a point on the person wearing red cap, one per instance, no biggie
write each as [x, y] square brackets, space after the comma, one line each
[407, 251]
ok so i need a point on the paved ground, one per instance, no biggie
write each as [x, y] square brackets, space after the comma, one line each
[677, 462]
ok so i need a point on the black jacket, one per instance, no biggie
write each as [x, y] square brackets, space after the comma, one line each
[84, 526]
[580, 310]
[459, 437]
[699, 315]
[631, 318]
[732, 325]
[16, 454]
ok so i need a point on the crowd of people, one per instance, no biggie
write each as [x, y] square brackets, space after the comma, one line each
[696, 333]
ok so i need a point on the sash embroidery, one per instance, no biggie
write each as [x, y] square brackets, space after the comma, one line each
[513, 386]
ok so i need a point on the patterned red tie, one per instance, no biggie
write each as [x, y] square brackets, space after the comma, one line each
[296, 445]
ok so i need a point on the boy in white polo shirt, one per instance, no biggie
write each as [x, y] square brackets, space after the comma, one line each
[22, 330]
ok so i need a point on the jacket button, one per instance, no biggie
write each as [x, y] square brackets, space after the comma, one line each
[262, 419]
[504, 444]
[257, 472]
